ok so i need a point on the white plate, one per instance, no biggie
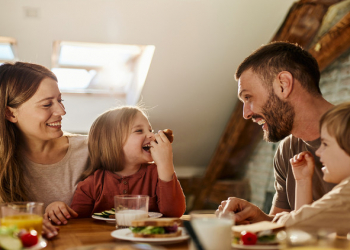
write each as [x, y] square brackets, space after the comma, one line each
[112, 220]
[126, 234]
[239, 246]
[41, 244]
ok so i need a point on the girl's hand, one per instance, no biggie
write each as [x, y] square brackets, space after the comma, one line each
[49, 231]
[303, 166]
[59, 212]
[162, 154]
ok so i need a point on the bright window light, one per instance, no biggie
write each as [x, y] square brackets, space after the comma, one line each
[7, 45]
[6, 52]
[101, 68]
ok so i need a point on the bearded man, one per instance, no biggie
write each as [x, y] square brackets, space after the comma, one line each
[279, 87]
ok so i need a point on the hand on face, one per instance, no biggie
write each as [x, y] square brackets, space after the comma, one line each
[162, 154]
[303, 166]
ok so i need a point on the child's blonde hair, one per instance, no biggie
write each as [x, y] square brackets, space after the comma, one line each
[337, 122]
[107, 137]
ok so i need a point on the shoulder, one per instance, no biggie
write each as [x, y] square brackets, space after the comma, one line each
[95, 178]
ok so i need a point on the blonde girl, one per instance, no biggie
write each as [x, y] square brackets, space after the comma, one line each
[122, 148]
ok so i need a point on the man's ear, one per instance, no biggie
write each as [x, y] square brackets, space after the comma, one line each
[10, 114]
[283, 84]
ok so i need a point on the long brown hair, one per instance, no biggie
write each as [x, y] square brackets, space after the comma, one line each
[18, 83]
[107, 137]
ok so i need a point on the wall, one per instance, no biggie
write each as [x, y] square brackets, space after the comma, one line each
[335, 87]
[190, 86]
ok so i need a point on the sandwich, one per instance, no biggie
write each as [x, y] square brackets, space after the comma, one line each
[155, 228]
[260, 233]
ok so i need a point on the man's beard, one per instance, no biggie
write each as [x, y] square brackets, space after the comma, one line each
[279, 117]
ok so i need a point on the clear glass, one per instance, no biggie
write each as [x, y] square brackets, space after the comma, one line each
[129, 208]
[25, 215]
[214, 232]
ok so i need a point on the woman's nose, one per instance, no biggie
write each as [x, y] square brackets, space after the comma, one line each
[60, 109]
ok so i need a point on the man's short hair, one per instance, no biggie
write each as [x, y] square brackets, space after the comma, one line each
[271, 59]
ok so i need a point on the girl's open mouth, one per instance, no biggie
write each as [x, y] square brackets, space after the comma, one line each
[146, 147]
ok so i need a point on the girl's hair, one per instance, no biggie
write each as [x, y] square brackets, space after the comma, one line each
[337, 122]
[107, 137]
[18, 83]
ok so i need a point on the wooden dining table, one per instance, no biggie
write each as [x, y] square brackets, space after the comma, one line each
[87, 231]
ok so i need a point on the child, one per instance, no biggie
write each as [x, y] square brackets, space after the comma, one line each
[122, 146]
[333, 209]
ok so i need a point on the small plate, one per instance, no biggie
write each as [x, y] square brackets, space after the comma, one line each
[239, 246]
[112, 220]
[126, 234]
[41, 244]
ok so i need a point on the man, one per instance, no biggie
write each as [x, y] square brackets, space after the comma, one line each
[279, 87]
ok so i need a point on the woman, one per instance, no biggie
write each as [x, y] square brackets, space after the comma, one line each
[37, 161]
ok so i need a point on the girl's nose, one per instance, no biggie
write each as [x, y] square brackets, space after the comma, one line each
[151, 135]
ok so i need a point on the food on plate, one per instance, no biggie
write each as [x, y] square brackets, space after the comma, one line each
[106, 214]
[169, 134]
[13, 239]
[155, 228]
[260, 233]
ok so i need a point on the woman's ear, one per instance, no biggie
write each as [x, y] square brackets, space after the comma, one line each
[10, 114]
[283, 84]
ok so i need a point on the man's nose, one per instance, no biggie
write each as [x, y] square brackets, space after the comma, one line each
[247, 113]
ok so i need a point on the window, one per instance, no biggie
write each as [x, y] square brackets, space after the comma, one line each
[7, 49]
[96, 68]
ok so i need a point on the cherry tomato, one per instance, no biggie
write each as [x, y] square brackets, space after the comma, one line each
[29, 240]
[248, 238]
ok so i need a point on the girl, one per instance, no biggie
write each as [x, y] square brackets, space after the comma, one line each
[333, 208]
[121, 146]
[37, 162]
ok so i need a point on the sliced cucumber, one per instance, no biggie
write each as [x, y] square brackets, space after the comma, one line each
[109, 212]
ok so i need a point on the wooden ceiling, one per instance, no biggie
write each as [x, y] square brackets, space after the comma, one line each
[241, 136]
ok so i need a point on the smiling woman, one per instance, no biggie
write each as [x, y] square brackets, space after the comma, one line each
[37, 161]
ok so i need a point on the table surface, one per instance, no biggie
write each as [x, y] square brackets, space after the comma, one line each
[87, 231]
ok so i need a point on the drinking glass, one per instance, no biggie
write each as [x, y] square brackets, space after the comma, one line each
[24, 215]
[214, 232]
[129, 208]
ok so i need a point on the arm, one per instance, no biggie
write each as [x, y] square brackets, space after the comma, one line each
[303, 166]
[83, 201]
[171, 199]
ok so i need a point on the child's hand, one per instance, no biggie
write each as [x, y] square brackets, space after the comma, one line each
[303, 166]
[59, 212]
[49, 231]
[162, 154]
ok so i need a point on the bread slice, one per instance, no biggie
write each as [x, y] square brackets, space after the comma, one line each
[159, 222]
[168, 235]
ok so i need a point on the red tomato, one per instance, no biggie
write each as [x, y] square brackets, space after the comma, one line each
[29, 240]
[248, 238]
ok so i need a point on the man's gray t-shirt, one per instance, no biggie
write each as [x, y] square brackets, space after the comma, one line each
[284, 180]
